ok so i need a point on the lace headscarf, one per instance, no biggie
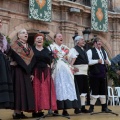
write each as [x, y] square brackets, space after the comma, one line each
[3, 43]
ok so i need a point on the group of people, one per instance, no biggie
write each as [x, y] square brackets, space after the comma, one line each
[39, 78]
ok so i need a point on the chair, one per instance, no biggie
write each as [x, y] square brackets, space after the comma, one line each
[111, 96]
[117, 91]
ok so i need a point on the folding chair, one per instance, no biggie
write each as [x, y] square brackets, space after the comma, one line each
[117, 91]
[111, 96]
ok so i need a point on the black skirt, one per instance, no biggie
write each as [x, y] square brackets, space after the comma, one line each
[23, 91]
[6, 85]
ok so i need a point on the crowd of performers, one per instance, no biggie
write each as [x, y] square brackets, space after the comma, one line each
[37, 78]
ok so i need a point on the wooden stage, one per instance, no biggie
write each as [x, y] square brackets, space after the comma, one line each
[7, 115]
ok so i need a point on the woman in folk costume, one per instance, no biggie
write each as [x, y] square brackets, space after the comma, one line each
[23, 55]
[6, 85]
[63, 77]
[42, 78]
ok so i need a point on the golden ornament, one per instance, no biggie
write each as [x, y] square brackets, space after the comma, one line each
[99, 14]
[41, 3]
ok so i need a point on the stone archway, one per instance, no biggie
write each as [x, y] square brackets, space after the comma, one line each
[31, 27]
[31, 38]
[107, 47]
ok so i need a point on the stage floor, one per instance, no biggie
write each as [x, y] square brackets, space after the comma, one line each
[7, 115]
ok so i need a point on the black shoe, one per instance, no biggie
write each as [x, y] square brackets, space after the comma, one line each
[91, 110]
[85, 111]
[77, 111]
[55, 113]
[34, 115]
[106, 110]
[17, 116]
[40, 114]
[23, 116]
[65, 113]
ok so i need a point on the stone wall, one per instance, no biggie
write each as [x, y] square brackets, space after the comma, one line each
[116, 4]
[15, 16]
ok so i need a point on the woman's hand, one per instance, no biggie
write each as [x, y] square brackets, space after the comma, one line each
[66, 57]
[48, 65]
[76, 69]
[32, 77]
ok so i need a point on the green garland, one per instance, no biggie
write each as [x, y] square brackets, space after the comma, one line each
[47, 43]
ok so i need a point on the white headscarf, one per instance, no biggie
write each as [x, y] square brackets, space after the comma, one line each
[77, 39]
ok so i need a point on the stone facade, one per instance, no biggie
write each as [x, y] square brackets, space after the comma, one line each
[15, 16]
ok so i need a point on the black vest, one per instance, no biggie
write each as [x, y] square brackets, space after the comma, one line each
[82, 57]
[97, 69]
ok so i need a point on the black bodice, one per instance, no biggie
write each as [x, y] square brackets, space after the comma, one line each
[43, 57]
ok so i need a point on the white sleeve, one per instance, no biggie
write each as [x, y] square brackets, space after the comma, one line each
[91, 61]
[73, 53]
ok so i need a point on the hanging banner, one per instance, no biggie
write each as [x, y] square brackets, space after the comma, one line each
[99, 15]
[40, 10]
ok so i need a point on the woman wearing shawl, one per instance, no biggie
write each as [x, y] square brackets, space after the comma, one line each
[6, 86]
[22, 54]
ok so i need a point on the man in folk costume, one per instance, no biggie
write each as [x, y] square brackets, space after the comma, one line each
[80, 62]
[98, 59]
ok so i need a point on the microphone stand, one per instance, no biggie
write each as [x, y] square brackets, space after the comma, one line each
[106, 86]
[50, 112]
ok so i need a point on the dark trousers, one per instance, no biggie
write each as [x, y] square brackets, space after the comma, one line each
[82, 82]
[98, 85]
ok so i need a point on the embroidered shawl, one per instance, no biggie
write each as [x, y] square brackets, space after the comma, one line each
[21, 52]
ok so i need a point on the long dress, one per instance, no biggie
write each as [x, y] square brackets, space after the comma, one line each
[23, 91]
[63, 79]
[6, 85]
[42, 80]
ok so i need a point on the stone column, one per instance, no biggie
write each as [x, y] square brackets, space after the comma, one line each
[116, 5]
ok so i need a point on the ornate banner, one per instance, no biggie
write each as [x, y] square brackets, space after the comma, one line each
[40, 10]
[99, 15]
